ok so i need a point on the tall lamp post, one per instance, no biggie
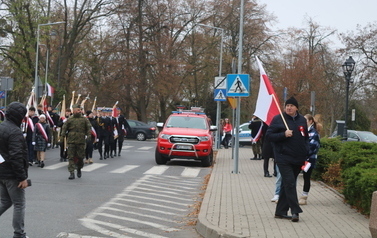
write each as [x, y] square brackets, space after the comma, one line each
[348, 67]
[36, 82]
[218, 111]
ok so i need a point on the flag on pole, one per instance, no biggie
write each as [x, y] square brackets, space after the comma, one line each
[114, 112]
[267, 103]
[50, 90]
[62, 112]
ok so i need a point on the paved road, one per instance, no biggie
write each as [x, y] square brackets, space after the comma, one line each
[127, 196]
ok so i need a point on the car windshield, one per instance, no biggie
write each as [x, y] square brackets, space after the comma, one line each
[187, 122]
[367, 136]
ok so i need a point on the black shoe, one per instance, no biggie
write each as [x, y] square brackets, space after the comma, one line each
[39, 164]
[42, 164]
[111, 156]
[72, 176]
[268, 175]
[65, 160]
[119, 154]
[79, 173]
[283, 217]
[100, 158]
[115, 154]
[275, 174]
[30, 163]
[295, 217]
[255, 158]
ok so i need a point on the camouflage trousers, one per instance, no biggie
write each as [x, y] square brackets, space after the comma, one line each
[75, 154]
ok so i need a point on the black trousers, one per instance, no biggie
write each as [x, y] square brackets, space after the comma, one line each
[288, 193]
[89, 150]
[119, 142]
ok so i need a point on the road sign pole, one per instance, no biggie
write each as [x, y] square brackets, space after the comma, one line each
[217, 138]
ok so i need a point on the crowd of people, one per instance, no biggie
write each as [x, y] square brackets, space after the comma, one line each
[93, 130]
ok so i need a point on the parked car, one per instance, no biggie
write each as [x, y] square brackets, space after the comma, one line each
[185, 135]
[364, 136]
[244, 136]
[140, 130]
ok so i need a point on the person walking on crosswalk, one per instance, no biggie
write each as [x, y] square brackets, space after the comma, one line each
[76, 129]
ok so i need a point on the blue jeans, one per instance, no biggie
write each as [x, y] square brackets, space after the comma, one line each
[12, 195]
[278, 180]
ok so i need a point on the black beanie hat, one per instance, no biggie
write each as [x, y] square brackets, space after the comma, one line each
[88, 112]
[292, 101]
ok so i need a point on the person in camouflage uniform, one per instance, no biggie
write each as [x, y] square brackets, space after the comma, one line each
[77, 129]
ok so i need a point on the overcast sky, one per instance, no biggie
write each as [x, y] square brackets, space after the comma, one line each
[342, 15]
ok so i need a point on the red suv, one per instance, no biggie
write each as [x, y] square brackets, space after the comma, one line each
[185, 134]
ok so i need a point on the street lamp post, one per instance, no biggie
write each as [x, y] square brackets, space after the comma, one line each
[218, 110]
[36, 82]
[348, 67]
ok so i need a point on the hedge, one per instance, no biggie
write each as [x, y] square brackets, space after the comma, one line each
[350, 167]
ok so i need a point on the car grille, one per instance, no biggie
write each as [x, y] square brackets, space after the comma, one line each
[181, 139]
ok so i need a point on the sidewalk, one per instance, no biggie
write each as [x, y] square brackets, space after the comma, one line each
[239, 205]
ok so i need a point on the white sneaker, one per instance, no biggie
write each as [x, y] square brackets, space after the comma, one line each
[275, 198]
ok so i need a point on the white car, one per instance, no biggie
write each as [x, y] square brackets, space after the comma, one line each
[244, 134]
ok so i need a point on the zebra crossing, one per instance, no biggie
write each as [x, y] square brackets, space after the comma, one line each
[151, 207]
[154, 170]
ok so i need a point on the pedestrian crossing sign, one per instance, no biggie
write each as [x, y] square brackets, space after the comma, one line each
[238, 85]
[220, 94]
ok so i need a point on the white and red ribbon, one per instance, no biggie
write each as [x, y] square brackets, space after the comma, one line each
[42, 131]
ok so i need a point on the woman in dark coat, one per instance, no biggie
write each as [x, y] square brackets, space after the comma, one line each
[41, 139]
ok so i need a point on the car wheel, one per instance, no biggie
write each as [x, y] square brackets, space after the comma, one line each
[140, 136]
[208, 160]
[159, 158]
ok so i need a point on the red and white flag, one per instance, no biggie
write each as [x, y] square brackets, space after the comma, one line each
[267, 103]
[114, 112]
[50, 90]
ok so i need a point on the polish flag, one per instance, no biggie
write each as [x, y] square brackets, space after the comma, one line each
[267, 103]
[50, 90]
[114, 112]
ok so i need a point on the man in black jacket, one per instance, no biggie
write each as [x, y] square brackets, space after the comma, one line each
[289, 136]
[13, 166]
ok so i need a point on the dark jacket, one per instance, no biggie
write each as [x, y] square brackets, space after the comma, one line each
[13, 145]
[29, 132]
[122, 125]
[40, 142]
[292, 150]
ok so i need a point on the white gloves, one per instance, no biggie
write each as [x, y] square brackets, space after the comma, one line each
[97, 140]
[33, 143]
[48, 145]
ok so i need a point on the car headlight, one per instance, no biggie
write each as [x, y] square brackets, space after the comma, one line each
[204, 138]
[164, 136]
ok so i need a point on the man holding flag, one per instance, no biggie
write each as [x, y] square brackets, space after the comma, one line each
[288, 133]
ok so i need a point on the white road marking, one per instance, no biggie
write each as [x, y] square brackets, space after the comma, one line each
[190, 172]
[145, 209]
[90, 223]
[124, 169]
[56, 166]
[92, 167]
[157, 170]
[126, 147]
[138, 214]
[145, 148]
[152, 224]
[150, 204]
